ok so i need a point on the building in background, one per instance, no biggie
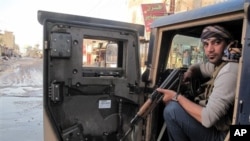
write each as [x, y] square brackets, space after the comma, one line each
[7, 44]
[172, 7]
[8, 48]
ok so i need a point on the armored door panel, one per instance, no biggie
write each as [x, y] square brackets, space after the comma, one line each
[91, 76]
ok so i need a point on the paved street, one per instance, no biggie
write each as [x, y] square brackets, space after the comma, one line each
[21, 99]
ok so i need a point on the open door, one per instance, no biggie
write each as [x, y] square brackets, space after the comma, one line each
[91, 77]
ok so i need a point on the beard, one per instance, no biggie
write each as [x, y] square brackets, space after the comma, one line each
[214, 58]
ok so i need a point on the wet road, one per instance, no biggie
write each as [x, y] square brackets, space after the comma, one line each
[21, 100]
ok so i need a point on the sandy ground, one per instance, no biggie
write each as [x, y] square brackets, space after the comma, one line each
[21, 100]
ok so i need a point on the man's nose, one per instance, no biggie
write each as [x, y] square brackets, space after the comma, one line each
[210, 47]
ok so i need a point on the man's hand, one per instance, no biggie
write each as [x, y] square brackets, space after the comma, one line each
[168, 94]
[192, 108]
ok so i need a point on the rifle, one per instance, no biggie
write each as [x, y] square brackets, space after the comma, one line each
[174, 78]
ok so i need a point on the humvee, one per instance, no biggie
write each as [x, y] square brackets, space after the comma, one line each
[95, 88]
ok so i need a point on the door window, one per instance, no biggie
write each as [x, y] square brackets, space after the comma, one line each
[185, 51]
[99, 53]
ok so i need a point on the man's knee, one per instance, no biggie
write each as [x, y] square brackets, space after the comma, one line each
[170, 110]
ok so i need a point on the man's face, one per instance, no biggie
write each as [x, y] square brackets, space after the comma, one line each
[214, 49]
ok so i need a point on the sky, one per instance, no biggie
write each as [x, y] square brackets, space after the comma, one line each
[20, 16]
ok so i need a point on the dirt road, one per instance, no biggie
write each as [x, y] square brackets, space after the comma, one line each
[21, 100]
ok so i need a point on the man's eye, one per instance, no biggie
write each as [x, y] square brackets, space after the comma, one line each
[205, 44]
[218, 41]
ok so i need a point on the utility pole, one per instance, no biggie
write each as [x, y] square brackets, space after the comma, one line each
[172, 7]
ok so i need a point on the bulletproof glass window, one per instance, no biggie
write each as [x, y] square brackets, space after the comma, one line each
[100, 53]
[185, 51]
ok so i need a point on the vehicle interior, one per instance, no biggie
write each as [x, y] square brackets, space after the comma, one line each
[181, 48]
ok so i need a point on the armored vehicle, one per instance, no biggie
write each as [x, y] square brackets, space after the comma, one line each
[95, 88]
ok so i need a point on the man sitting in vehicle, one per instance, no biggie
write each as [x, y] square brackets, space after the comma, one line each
[208, 117]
